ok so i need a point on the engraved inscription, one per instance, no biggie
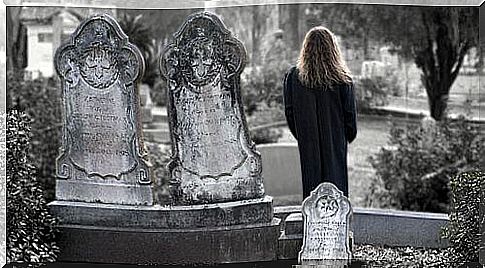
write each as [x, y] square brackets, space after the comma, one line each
[203, 118]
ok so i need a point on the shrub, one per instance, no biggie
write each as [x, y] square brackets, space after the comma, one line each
[30, 233]
[416, 167]
[259, 123]
[159, 155]
[159, 93]
[374, 91]
[463, 230]
[41, 100]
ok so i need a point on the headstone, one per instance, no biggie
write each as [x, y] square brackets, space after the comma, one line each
[389, 58]
[373, 68]
[102, 157]
[213, 158]
[326, 231]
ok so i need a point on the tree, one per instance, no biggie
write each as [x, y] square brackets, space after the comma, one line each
[436, 38]
[140, 34]
[16, 43]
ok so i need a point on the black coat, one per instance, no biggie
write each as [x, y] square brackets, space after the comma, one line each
[323, 122]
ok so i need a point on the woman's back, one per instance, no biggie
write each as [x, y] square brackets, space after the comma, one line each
[320, 110]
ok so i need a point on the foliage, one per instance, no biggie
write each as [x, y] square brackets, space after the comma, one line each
[140, 34]
[159, 93]
[30, 232]
[463, 230]
[159, 157]
[262, 95]
[414, 170]
[410, 257]
[374, 91]
[260, 124]
[40, 99]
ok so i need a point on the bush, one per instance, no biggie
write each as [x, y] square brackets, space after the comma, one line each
[159, 157]
[30, 233]
[41, 100]
[159, 93]
[463, 230]
[416, 167]
[372, 92]
[259, 123]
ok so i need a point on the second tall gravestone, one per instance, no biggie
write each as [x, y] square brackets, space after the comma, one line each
[213, 158]
[102, 156]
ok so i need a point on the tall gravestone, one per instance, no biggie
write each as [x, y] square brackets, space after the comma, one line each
[326, 231]
[213, 157]
[102, 158]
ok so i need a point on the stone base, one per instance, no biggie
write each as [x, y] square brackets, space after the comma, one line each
[252, 211]
[80, 191]
[212, 245]
[325, 264]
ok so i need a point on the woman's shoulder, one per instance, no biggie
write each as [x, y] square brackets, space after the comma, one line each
[346, 84]
[291, 70]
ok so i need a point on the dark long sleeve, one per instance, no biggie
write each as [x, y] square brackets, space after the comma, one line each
[350, 116]
[288, 101]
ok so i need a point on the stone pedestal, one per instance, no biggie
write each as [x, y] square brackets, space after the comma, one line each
[231, 232]
[203, 246]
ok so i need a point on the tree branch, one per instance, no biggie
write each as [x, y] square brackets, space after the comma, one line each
[434, 174]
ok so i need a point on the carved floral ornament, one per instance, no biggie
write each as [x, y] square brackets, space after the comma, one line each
[99, 53]
[325, 202]
[203, 52]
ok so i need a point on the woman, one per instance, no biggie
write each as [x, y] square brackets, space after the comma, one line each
[320, 110]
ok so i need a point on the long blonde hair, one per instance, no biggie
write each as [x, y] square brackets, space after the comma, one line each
[320, 62]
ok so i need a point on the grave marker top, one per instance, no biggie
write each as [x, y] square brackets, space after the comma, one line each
[213, 157]
[101, 141]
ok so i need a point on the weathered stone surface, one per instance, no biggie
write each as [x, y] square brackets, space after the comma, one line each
[170, 217]
[228, 244]
[326, 216]
[213, 158]
[102, 156]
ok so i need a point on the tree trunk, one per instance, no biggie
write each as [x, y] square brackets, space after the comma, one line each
[440, 57]
[15, 40]
[294, 22]
[256, 36]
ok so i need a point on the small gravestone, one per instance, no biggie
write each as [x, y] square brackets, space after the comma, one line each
[213, 158]
[326, 237]
[102, 158]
